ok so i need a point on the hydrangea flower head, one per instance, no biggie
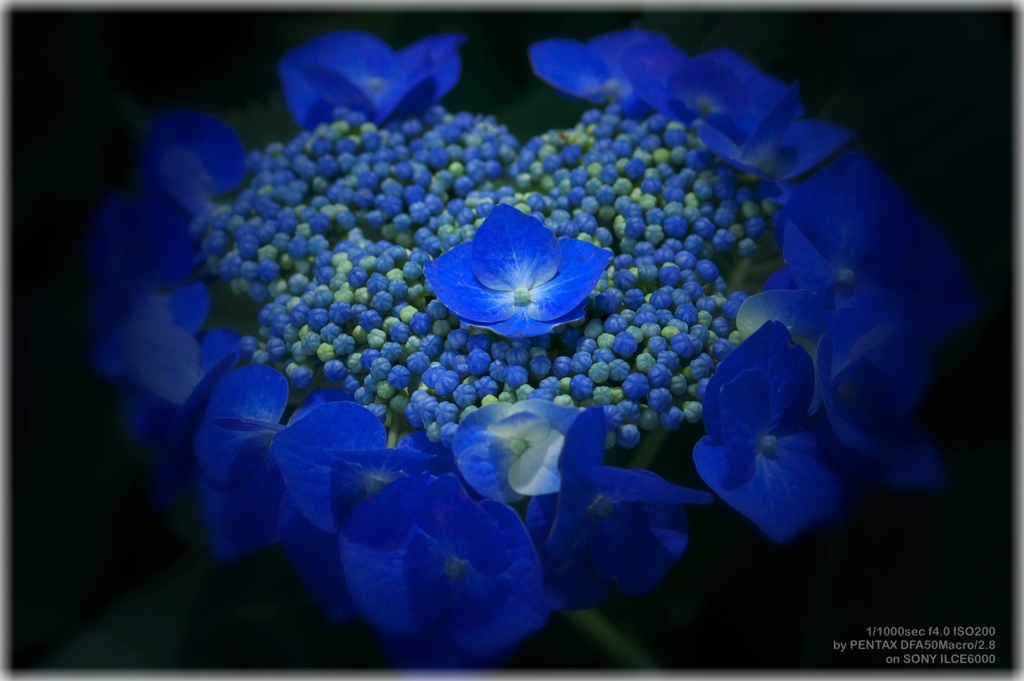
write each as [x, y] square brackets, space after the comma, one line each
[592, 70]
[361, 72]
[515, 277]
[507, 451]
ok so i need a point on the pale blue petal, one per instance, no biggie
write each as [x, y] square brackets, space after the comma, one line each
[164, 358]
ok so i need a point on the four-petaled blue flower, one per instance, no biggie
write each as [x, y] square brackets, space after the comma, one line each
[515, 278]
[873, 375]
[190, 157]
[359, 71]
[592, 70]
[761, 454]
[606, 525]
[781, 147]
[423, 558]
[508, 451]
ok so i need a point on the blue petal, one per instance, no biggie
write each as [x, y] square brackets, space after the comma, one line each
[522, 325]
[704, 85]
[216, 344]
[812, 141]
[619, 484]
[807, 267]
[744, 404]
[611, 48]
[761, 150]
[256, 393]
[582, 265]
[175, 446]
[788, 494]
[316, 557]
[395, 573]
[336, 90]
[190, 157]
[315, 399]
[780, 280]
[451, 275]
[136, 244]
[762, 91]
[513, 250]
[637, 544]
[188, 306]
[569, 67]
[442, 459]
[481, 448]
[856, 218]
[945, 299]
[441, 53]
[569, 584]
[584, 442]
[358, 58]
[164, 358]
[720, 143]
[649, 68]
[789, 371]
[800, 311]
[310, 453]
[490, 614]
[242, 518]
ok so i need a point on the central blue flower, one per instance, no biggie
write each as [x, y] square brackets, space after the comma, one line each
[515, 278]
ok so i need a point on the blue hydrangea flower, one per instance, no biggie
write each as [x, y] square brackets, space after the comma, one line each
[592, 70]
[761, 455]
[719, 87]
[800, 311]
[173, 373]
[515, 277]
[337, 455]
[847, 234]
[873, 376]
[359, 71]
[314, 552]
[508, 451]
[780, 148]
[241, 487]
[422, 557]
[135, 249]
[606, 525]
[190, 157]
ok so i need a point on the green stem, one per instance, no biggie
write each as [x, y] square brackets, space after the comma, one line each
[393, 435]
[606, 635]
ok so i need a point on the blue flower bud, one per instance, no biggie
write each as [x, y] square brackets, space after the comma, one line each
[627, 436]
[516, 376]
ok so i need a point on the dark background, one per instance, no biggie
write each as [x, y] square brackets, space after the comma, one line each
[98, 580]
